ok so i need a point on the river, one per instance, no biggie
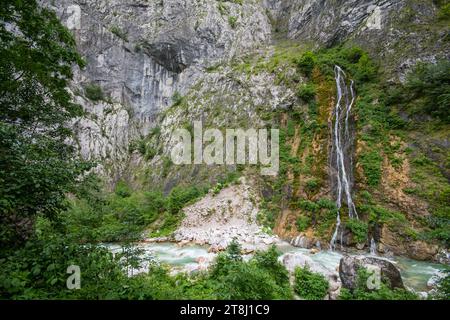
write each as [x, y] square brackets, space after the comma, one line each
[415, 274]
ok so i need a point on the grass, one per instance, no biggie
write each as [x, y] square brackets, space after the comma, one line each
[117, 31]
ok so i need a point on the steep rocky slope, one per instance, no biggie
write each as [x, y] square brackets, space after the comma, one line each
[153, 66]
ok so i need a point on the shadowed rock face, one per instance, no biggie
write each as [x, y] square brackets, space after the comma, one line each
[382, 27]
[349, 266]
[331, 22]
[142, 52]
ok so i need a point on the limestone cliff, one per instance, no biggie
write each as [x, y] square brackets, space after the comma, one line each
[157, 65]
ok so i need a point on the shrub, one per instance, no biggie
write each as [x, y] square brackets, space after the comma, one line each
[263, 277]
[307, 62]
[312, 185]
[371, 163]
[177, 99]
[308, 205]
[155, 132]
[303, 223]
[117, 31]
[38, 271]
[232, 21]
[309, 285]
[352, 54]
[150, 153]
[268, 260]
[365, 70]
[180, 197]
[142, 147]
[326, 204]
[359, 229]
[306, 92]
[245, 281]
[234, 251]
[428, 86]
[444, 12]
[93, 92]
[122, 189]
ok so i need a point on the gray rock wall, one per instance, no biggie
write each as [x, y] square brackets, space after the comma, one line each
[141, 52]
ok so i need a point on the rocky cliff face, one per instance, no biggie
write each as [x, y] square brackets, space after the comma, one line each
[398, 33]
[140, 53]
[156, 65]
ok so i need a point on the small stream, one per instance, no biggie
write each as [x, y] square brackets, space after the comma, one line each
[415, 274]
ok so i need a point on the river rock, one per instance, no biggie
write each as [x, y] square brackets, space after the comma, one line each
[293, 260]
[434, 280]
[302, 242]
[349, 265]
[443, 257]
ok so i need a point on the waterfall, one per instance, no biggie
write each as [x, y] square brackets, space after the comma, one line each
[341, 155]
[373, 247]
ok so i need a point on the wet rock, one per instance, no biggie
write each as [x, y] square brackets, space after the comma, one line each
[294, 260]
[443, 257]
[303, 241]
[349, 266]
[435, 279]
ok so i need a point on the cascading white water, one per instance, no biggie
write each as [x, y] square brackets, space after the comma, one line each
[341, 141]
[373, 247]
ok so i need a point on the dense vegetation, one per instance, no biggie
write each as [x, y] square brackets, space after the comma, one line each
[37, 166]
[53, 214]
[426, 90]
[309, 285]
[99, 216]
[38, 271]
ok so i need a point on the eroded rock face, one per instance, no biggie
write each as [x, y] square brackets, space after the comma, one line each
[349, 266]
[419, 250]
[140, 53]
[379, 26]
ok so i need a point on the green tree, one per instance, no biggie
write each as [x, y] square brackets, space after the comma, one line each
[37, 165]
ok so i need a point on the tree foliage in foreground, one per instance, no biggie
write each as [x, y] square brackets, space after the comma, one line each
[37, 165]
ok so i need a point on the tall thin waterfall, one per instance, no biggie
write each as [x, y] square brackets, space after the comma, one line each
[373, 247]
[341, 155]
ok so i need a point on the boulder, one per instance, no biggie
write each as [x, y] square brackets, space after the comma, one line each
[293, 260]
[433, 282]
[349, 265]
[303, 241]
[391, 241]
[297, 259]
